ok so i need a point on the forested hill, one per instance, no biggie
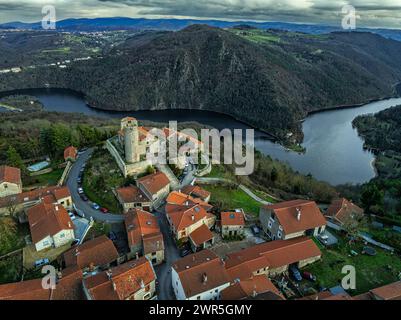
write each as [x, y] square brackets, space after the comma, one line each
[381, 131]
[270, 79]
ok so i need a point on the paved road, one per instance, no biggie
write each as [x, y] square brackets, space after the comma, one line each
[81, 205]
[171, 253]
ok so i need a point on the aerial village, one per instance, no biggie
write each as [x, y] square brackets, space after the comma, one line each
[174, 243]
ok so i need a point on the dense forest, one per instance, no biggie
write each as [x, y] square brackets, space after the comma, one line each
[270, 79]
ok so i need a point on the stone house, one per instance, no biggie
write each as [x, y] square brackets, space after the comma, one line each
[70, 154]
[132, 197]
[291, 219]
[272, 258]
[144, 236]
[133, 280]
[232, 224]
[343, 211]
[197, 192]
[155, 186]
[199, 276]
[10, 181]
[99, 253]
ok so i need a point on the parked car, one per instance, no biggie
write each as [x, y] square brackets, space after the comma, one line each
[112, 236]
[75, 242]
[80, 190]
[255, 231]
[72, 216]
[95, 206]
[295, 273]
[84, 197]
[104, 210]
[309, 276]
[184, 252]
[41, 262]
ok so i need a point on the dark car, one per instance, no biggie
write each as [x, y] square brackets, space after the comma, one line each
[112, 236]
[104, 210]
[184, 252]
[309, 276]
[295, 273]
[84, 197]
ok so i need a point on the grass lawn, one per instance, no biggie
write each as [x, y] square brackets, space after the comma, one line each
[219, 171]
[228, 199]
[371, 272]
[100, 177]
[264, 196]
[48, 179]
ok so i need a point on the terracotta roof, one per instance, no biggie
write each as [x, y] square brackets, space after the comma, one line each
[153, 243]
[153, 183]
[25, 290]
[180, 198]
[342, 209]
[200, 272]
[318, 296]
[389, 292]
[132, 194]
[249, 287]
[52, 194]
[68, 287]
[140, 223]
[201, 235]
[232, 219]
[183, 216]
[124, 281]
[287, 214]
[339, 296]
[196, 191]
[70, 152]
[10, 175]
[48, 220]
[97, 252]
[272, 254]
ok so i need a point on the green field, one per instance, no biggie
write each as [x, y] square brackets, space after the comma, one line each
[228, 198]
[371, 272]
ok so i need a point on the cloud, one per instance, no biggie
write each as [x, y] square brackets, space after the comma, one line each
[375, 13]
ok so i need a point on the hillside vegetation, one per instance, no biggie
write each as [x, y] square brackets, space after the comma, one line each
[269, 79]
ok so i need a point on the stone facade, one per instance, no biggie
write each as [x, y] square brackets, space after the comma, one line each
[8, 189]
[232, 231]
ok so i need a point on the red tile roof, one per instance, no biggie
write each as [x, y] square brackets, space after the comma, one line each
[196, 191]
[153, 183]
[389, 292]
[272, 254]
[10, 175]
[139, 224]
[342, 209]
[97, 252]
[288, 212]
[68, 287]
[248, 288]
[132, 194]
[52, 194]
[70, 152]
[183, 216]
[124, 281]
[48, 220]
[232, 219]
[180, 198]
[200, 272]
[201, 235]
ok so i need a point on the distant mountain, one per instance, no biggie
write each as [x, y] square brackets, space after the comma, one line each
[118, 23]
[269, 79]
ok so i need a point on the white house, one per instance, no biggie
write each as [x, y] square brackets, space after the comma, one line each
[50, 225]
[199, 276]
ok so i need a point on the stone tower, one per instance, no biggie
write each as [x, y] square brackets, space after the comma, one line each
[131, 139]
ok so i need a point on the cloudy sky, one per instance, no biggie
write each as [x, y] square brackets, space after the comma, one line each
[372, 13]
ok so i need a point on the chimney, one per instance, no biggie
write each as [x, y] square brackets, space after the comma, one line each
[142, 284]
[298, 214]
[204, 278]
[186, 203]
[56, 208]
[114, 286]
[109, 274]
[193, 217]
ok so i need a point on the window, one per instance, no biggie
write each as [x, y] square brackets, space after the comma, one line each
[273, 216]
[279, 234]
[198, 297]
[62, 235]
[5, 186]
[269, 224]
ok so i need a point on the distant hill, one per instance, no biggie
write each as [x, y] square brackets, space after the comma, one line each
[118, 23]
[269, 79]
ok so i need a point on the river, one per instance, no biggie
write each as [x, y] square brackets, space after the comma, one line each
[334, 151]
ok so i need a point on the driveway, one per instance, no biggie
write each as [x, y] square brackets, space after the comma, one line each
[171, 254]
[81, 206]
